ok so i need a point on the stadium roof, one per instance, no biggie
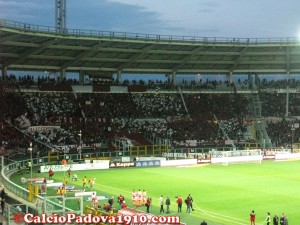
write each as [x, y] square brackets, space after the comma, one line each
[31, 47]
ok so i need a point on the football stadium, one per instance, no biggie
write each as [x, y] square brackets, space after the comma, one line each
[179, 149]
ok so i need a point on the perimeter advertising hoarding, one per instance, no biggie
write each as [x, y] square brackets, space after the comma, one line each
[121, 164]
[148, 163]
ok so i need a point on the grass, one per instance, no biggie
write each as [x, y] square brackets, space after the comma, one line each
[222, 194]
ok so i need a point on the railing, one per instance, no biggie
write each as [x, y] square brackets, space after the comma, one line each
[14, 188]
[11, 209]
[17, 189]
[141, 36]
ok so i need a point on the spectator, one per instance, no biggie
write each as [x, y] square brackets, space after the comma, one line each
[168, 203]
[203, 223]
[275, 220]
[268, 219]
[111, 201]
[2, 205]
[161, 203]
[191, 201]
[188, 205]
[3, 194]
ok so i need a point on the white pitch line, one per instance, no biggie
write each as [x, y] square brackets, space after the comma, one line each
[122, 190]
[221, 216]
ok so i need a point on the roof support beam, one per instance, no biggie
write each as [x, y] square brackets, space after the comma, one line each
[188, 58]
[134, 57]
[82, 55]
[31, 52]
[237, 59]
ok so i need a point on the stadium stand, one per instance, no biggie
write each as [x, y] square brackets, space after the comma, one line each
[101, 116]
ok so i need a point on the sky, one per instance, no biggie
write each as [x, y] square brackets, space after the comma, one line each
[201, 18]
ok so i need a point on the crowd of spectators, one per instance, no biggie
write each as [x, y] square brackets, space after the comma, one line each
[158, 127]
[41, 81]
[279, 84]
[107, 105]
[190, 83]
[45, 108]
[158, 105]
[97, 115]
[223, 106]
[282, 132]
[275, 104]
[171, 116]
[233, 128]
[12, 106]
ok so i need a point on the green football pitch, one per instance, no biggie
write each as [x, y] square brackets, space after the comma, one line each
[222, 194]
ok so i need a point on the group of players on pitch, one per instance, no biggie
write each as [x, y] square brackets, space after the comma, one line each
[283, 220]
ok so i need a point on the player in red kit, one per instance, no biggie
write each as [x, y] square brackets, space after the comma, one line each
[120, 200]
[124, 205]
[51, 173]
[179, 203]
[147, 204]
[252, 218]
